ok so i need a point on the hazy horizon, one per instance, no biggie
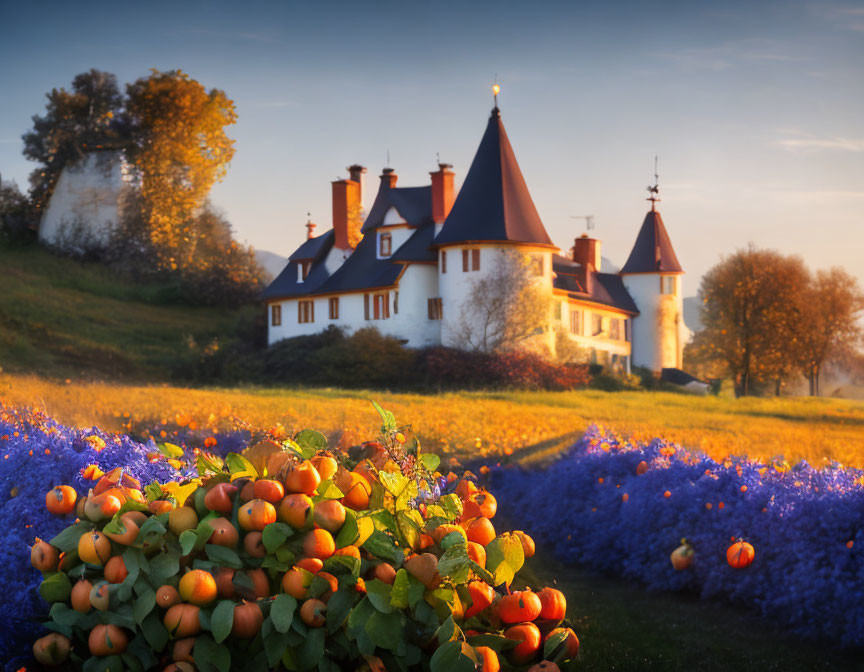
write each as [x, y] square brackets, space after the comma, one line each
[755, 111]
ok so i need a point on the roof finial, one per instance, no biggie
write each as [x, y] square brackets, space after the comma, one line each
[496, 88]
[310, 226]
[654, 190]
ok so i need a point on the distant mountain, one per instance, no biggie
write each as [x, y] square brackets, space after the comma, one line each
[692, 306]
[271, 262]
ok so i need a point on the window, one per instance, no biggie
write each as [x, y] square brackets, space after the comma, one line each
[396, 302]
[475, 260]
[667, 284]
[575, 321]
[615, 329]
[385, 245]
[596, 324]
[305, 311]
[365, 306]
[443, 261]
[558, 310]
[303, 270]
[436, 310]
[381, 306]
[464, 261]
[470, 260]
[334, 308]
[276, 315]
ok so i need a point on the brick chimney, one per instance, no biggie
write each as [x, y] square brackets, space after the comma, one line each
[442, 192]
[347, 220]
[586, 251]
[388, 178]
[357, 173]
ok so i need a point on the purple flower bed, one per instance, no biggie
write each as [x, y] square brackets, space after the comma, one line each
[807, 576]
[36, 454]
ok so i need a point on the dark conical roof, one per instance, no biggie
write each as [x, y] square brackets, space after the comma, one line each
[494, 204]
[652, 252]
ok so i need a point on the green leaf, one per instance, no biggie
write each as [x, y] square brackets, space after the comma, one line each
[504, 557]
[56, 587]
[222, 620]
[482, 572]
[452, 505]
[378, 593]
[239, 465]
[154, 632]
[399, 593]
[454, 539]
[342, 564]
[153, 492]
[409, 527]
[208, 464]
[415, 592]
[151, 531]
[164, 566]
[447, 630]
[275, 645]
[327, 490]
[62, 614]
[554, 649]
[188, 539]
[395, 483]
[210, 656]
[449, 658]
[350, 532]
[455, 563]
[430, 461]
[381, 546]
[221, 555]
[143, 605]
[338, 607]
[282, 612]
[67, 540]
[170, 450]
[497, 643]
[275, 534]
[388, 420]
[385, 630]
[311, 650]
[310, 439]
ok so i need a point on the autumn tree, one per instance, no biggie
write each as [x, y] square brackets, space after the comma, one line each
[504, 308]
[751, 312]
[87, 116]
[180, 149]
[830, 328]
[15, 212]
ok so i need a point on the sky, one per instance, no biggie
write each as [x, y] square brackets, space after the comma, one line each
[756, 110]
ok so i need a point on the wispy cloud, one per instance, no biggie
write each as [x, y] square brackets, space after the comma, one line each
[811, 144]
[732, 54]
[233, 35]
[850, 18]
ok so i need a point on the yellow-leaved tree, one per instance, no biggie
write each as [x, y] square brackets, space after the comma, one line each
[180, 149]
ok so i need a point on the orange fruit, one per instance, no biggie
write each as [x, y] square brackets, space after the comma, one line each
[115, 570]
[167, 596]
[256, 515]
[80, 596]
[224, 577]
[489, 659]
[313, 613]
[329, 515]
[443, 530]
[529, 637]
[61, 500]
[182, 620]
[326, 465]
[224, 533]
[294, 510]
[384, 572]
[94, 548]
[107, 640]
[181, 519]
[198, 587]
[482, 595]
[571, 644]
[253, 544]
[296, 582]
[553, 604]
[318, 544]
[528, 548]
[357, 494]
[44, 556]
[350, 551]
[480, 531]
[519, 606]
[248, 620]
[313, 565]
[302, 478]
[268, 490]
[477, 553]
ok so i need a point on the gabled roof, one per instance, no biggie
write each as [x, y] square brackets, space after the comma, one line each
[419, 246]
[313, 248]
[606, 288]
[494, 204]
[413, 203]
[652, 252]
[362, 270]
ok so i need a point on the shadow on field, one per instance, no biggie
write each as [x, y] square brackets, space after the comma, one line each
[624, 628]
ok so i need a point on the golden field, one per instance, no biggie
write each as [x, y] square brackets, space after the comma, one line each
[531, 425]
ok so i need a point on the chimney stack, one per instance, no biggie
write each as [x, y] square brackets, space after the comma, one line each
[586, 251]
[347, 220]
[388, 178]
[442, 192]
[357, 173]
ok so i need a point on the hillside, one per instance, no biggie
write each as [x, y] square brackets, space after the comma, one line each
[62, 318]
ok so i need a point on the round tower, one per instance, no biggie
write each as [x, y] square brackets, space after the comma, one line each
[652, 276]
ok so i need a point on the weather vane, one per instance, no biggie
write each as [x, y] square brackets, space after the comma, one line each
[654, 190]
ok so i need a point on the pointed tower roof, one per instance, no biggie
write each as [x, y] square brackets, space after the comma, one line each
[652, 252]
[494, 204]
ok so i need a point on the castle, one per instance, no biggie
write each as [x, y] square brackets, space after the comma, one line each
[409, 266]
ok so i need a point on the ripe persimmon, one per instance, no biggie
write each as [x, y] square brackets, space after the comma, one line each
[488, 658]
[313, 565]
[248, 620]
[294, 510]
[44, 556]
[115, 569]
[80, 596]
[224, 533]
[329, 515]
[303, 478]
[424, 568]
[256, 515]
[351, 551]
[269, 490]
[553, 604]
[198, 587]
[332, 585]
[528, 636]
[224, 578]
[519, 606]
[384, 572]
[130, 529]
[107, 640]
[94, 548]
[325, 464]
[528, 547]
[357, 494]
[182, 651]
[220, 498]
[477, 553]
[182, 620]
[253, 544]
[313, 613]
[482, 595]
[181, 519]
[167, 596]
[480, 531]
[60, 500]
[318, 543]
[52, 649]
[571, 644]
[296, 582]
[260, 582]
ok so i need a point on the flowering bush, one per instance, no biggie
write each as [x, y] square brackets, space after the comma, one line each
[599, 508]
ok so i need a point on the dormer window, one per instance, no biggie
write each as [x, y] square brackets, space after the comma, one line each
[385, 245]
[303, 270]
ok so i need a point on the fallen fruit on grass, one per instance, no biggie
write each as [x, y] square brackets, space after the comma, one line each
[61, 499]
[740, 554]
[682, 557]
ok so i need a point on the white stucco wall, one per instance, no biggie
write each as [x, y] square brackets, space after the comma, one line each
[601, 342]
[657, 336]
[87, 197]
[455, 285]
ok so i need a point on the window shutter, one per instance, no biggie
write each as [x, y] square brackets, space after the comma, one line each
[366, 306]
[464, 261]
[475, 260]
[443, 261]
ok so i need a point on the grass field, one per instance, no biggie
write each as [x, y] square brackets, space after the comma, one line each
[532, 425]
[63, 318]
